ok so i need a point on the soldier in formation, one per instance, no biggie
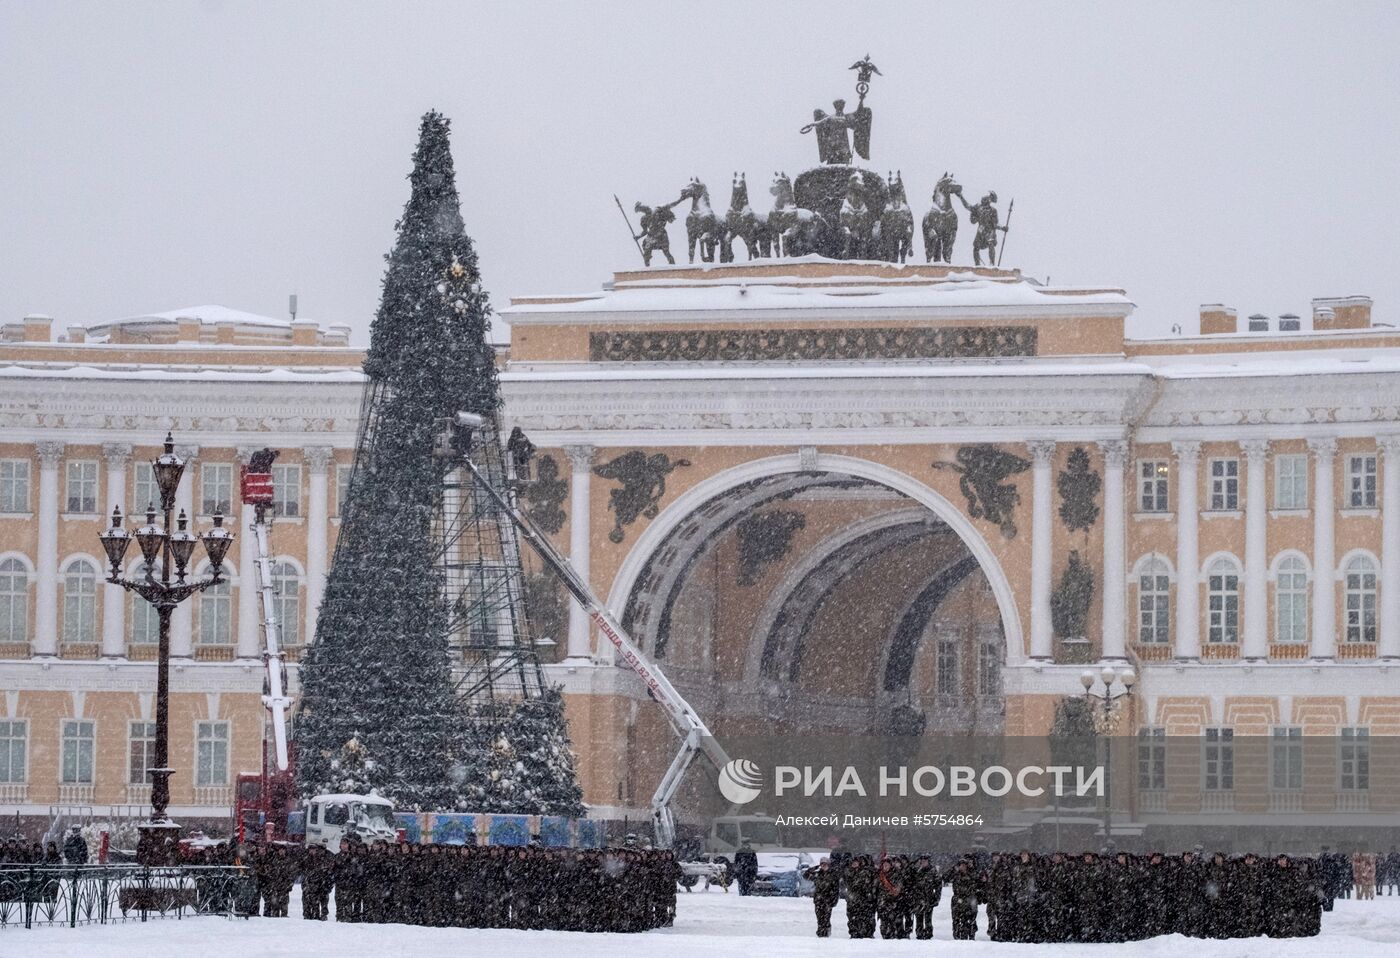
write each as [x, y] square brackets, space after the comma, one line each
[1113, 897]
[826, 892]
[1124, 897]
[470, 886]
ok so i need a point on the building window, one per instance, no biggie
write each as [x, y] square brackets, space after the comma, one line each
[286, 589]
[211, 759]
[342, 488]
[82, 487]
[1291, 482]
[14, 485]
[216, 615]
[145, 621]
[80, 602]
[145, 494]
[141, 756]
[1354, 760]
[286, 491]
[988, 669]
[14, 602]
[1361, 482]
[1291, 602]
[216, 489]
[1360, 582]
[78, 737]
[947, 665]
[14, 746]
[1154, 604]
[1152, 759]
[1152, 485]
[1220, 760]
[1223, 585]
[1286, 758]
[1224, 485]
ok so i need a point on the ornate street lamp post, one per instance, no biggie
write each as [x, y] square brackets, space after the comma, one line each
[1107, 708]
[163, 552]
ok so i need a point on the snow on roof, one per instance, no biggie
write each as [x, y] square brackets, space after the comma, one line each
[232, 374]
[352, 797]
[210, 313]
[766, 294]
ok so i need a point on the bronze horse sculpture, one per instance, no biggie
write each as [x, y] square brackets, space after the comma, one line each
[741, 222]
[702, 227]
[791, 230]
[941, 222]
[896, 227]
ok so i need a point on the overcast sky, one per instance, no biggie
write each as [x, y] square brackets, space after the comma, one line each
[157, 155]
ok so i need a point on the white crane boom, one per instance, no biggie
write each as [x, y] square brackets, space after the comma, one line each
[256, 490]
[695, 734]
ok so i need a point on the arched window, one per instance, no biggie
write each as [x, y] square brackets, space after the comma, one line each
[145, 621]
[1154, 603]
[80, 602]
[14, 601]
[1223, 602]
[216, 614]
[286, 586]
[1291, 602]
[1360, 583]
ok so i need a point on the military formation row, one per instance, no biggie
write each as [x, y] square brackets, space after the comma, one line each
[1090, 898]
[560, 889]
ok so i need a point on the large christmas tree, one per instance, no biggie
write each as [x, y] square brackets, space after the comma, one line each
[378, 708]
[422, 621]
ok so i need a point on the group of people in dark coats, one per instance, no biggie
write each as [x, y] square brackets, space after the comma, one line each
[1058, 897]
[898, 895]
[470, 886]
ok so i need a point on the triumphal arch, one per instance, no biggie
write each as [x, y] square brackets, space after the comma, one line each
[835, 487]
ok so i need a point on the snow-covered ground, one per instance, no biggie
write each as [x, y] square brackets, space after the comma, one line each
[712, 925]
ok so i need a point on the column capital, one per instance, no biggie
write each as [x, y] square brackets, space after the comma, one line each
[1255, 450]
[188, 452]
[1390, 445]
[1041, 450]
[1187, 451]
[318, 458]
[1324, 447]
[50, 453]
[581, 457]
[245, 454]
[1115, 451]
[117, 454]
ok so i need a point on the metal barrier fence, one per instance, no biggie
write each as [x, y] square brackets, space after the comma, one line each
[51, 895]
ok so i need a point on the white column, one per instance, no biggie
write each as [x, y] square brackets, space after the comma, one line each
[1389, 645]
[248, 646]
[1324, 620]
[318, 459]
[117, 454]
[1188, 588]
[580, 523]
[1115, 584]
[1042, 531]
[1256, 550]
[182, 619]
[46, 561]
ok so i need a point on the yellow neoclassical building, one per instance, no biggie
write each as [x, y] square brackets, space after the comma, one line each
[820, 493]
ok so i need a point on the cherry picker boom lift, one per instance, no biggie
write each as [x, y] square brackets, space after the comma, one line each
[255, 486]
[696, 737]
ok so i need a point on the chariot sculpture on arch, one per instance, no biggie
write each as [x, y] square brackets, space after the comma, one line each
[835, 210]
